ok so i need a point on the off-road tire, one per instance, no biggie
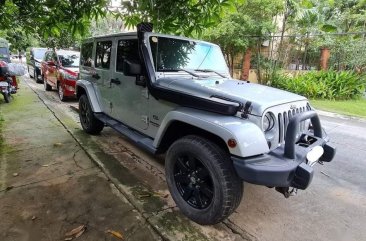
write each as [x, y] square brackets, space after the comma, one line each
[227, 186]
[47, 87]
[88, 121]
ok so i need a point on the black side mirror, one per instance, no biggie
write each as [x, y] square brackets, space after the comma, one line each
[31, 57]
[131, 69]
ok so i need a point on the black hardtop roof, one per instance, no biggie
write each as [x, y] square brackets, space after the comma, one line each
[133, 34]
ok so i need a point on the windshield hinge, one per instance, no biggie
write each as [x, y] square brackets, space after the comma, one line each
[247, 109]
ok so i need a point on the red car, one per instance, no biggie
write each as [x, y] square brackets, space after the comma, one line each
[60, 70]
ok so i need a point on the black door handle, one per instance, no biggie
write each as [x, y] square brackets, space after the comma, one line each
[96, 76]
[116, 81]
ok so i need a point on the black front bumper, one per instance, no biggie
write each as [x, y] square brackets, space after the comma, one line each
[286, 166]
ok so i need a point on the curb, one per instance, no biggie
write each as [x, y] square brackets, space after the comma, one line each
[340, 116]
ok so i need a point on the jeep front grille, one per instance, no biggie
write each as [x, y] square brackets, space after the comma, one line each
[285, 117]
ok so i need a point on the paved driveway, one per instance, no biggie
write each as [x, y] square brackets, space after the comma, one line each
[332, 208]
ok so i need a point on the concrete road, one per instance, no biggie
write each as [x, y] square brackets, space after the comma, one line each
[332, 208]
[49, 185]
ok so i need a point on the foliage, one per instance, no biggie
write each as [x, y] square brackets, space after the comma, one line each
[58, 22]
[107, 25]
[252, 18]
[181, 17]
[17, 38]
[330, 85]
[49, 17]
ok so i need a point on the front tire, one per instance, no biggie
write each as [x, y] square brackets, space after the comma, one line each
[30, 76]
[202, 180]
[88, 121]
[47, 87]
[36, 76]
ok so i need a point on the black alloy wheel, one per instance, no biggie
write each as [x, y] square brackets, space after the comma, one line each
[88, 121]
[193, 182]
[84, 114]
[202, 179]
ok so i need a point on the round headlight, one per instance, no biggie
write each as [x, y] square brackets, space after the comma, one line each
[268, 122]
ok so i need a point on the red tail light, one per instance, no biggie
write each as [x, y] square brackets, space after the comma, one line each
[3, 64]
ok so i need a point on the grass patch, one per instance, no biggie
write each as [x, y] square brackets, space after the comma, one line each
[345, 107]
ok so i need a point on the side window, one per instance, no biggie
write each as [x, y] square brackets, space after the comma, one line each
[103, 54]
[46, 58]
[86, 54]
[54, 57]
[126, 50]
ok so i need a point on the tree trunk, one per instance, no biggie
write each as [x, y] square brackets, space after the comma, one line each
[324, 58]
[232, 64]
[282, 31]
[305, 52]
[259, 62]
[246, 64]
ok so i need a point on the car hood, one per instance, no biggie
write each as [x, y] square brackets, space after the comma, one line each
[261, 96]
[72, 69]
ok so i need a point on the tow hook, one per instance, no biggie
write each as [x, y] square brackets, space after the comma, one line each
[286, 191]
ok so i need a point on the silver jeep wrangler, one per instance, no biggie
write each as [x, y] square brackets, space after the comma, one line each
[174, 95]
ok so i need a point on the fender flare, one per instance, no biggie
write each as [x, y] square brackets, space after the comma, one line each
[90, 92]
[249, 137]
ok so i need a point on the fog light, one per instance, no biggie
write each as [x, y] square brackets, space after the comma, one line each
[69, 88]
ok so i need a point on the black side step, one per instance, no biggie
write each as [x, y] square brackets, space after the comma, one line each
[141, 140]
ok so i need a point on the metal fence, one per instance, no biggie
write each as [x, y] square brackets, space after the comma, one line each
[339, 51]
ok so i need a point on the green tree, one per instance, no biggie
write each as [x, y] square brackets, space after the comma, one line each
[246, 28]
[186, 17]
[49, 17]
[56, 19]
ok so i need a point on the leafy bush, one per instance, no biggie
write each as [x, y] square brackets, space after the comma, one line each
[330, 85]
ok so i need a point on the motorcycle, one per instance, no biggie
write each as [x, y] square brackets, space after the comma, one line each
[7, 86]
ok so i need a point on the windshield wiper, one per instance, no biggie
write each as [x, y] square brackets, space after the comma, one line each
[211, 70]
[179, 69]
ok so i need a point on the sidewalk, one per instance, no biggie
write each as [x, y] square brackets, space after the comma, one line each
[49, 186]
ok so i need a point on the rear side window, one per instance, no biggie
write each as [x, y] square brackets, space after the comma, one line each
[126, 50]
[38, 53]
[103, 54]
[47, 56]
[86, 54]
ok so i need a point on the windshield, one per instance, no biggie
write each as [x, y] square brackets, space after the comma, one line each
[69, 60]
[170, 54]
[3, 52]
[39, 53]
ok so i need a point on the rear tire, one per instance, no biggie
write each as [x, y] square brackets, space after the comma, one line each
[88, 121]
[60, 92]
[202, 180]
[7, 98]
